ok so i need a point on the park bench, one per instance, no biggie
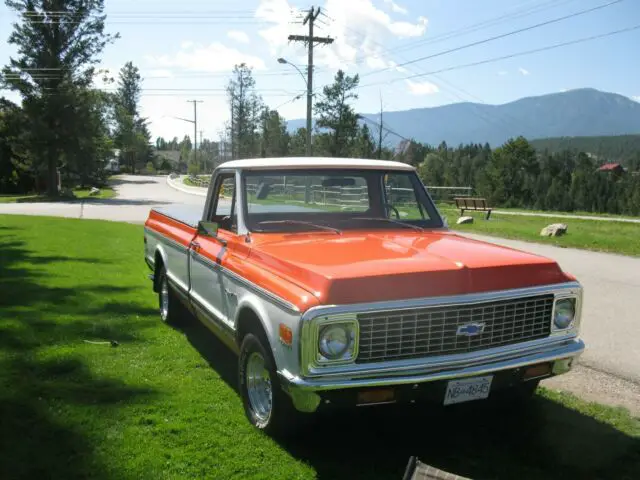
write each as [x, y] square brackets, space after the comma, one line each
[475, 204]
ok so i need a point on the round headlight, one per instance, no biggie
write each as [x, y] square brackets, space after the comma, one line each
[565, 313]
[334, 341]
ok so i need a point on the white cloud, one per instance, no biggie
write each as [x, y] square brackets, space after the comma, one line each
[636, 98]
[502, 73]
[422, 88]
[159, 72]
[215, 57]
[238, 36]
[359, 30]
[524, 71]
[395, 7]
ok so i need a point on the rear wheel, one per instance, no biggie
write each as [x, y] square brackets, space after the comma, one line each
[168, 304]
[266, 405]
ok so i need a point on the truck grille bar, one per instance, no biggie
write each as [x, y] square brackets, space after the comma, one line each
[424, 332]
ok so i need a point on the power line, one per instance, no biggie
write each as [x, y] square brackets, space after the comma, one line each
[462, 31]
[505, 57]
[482, 25]
[497, 37]
[475, 110]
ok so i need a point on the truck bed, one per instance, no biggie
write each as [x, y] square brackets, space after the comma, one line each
[188, 214]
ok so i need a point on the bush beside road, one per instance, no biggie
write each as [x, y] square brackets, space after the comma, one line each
[163, 403]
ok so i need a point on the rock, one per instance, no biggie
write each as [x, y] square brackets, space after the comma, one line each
[554, 230]
[463, 220]
[94, 191]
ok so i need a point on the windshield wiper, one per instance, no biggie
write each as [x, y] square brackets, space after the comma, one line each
[300, 222]
[391, 220]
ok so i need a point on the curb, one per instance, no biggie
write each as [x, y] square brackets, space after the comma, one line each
[202, 192]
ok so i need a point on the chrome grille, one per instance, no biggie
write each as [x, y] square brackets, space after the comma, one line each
[431, 331]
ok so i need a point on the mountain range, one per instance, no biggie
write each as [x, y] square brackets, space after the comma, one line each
[573, 113]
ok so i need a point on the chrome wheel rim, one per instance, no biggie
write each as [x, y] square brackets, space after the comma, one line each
[164, 299]
[258, 384]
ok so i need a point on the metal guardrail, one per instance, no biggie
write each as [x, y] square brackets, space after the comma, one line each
[343, 196]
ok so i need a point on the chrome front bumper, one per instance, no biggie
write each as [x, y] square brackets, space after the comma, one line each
[305, 392]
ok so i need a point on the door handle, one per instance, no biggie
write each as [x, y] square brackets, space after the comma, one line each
[195, 246]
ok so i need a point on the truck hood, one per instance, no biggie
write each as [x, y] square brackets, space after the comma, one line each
[377, 266]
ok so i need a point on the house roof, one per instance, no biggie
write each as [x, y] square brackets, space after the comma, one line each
[607, 167]
[314, 162]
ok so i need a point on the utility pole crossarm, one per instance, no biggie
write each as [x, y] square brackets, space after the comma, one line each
[305, 38]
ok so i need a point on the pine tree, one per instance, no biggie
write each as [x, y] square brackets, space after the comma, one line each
[336, 114]
[246, 112]
[58, 43]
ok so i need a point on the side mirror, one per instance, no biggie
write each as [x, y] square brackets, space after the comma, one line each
[445, 222]
[209, 229]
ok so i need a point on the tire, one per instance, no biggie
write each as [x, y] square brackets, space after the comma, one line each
[170, 312]
[267, 406]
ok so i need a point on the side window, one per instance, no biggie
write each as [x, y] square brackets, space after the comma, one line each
[225, 201]
[401, 198]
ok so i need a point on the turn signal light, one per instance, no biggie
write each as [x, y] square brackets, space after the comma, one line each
[383, 395]
[286, 335]
[540, 370]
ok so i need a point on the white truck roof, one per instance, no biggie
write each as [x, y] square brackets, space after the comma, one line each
[314, 162]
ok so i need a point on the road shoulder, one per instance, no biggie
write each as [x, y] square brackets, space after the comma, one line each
[596, 386]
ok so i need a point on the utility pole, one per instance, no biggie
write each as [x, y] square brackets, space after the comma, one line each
[232, 132]
[195, 129]
[310, 40]
[380, 130]
[204, 160]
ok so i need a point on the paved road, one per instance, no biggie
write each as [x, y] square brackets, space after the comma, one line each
[136, 196]
[561, 215]
[611, 320]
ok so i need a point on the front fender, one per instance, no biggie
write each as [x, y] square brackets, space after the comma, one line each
[271, 316]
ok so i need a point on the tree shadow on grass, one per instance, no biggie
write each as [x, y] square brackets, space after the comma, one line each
[113, 182]
[124, 202]
[48, 395]
[544, 439]
[40, 435]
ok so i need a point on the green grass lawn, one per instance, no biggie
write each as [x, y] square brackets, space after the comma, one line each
[615, 237]
[163, 404]
[80, 193]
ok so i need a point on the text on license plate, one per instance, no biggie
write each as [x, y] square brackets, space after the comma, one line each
[476, 388]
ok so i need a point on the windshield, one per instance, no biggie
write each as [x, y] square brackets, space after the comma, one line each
[336, 199]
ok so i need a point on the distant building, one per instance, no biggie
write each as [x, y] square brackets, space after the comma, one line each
[612, 168]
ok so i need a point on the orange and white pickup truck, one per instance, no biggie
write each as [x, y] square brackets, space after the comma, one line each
[338, 283]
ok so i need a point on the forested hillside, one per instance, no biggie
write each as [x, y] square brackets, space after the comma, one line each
[516, 175]
[624, 149]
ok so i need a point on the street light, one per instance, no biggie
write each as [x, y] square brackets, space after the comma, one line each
[284, 61]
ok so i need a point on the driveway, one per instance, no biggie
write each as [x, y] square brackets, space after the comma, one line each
[136, 196]
[611, 314]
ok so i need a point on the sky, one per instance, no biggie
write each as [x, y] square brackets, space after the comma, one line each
[187, 50]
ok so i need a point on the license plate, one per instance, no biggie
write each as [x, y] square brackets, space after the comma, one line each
[468, 389]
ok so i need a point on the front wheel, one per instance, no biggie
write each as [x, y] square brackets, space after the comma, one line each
[266, 405]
